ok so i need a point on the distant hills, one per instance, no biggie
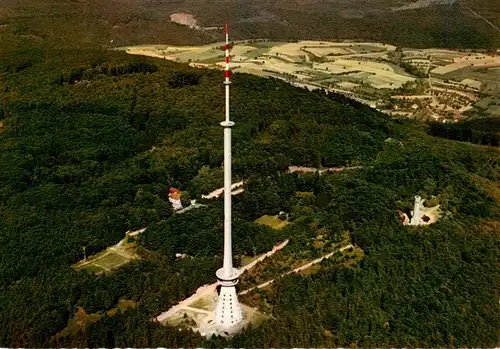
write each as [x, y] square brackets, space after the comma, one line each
[422, 23]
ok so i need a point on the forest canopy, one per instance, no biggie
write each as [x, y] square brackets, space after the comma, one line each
[91, 141]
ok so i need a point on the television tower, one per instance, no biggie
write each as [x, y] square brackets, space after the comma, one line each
[228, 311]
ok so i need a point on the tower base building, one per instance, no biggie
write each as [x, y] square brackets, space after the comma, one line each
[228, 312]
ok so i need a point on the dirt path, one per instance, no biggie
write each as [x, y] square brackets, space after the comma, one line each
[299, 269]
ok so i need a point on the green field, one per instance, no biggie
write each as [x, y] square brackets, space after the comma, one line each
[272, 222]
[93, 268]
[202, 303]
[105, 261]
[489, 77]
[491, 106]
[112, 260]
[494, 111]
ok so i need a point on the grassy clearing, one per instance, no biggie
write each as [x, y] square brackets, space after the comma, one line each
[312, 270]
[92, 268]
[272, 222]
[109, 259]
[123, 305]
[81, 320]
[201, 303]
[185, 319]
[254, 316]
[247, 259]
[78, 323]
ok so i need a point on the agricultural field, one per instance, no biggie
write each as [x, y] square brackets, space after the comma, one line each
[271, 58]
[488, 77]
[327, 50]
[491, 106]
[468, 61]
[370, 73]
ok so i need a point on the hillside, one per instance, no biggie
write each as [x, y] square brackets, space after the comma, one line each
[69, 23]
[91, 141]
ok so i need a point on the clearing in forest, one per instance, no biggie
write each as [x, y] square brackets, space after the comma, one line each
[81, 320]
[112, 258]
[272, 222]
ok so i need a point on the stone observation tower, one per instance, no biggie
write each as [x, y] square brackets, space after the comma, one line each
[228, 312]
[415, 217]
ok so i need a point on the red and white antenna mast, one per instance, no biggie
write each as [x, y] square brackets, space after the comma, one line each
[228, 312]
[227, 72]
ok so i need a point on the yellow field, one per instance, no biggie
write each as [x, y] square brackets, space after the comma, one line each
[292, 58]
[291, 49]
[462, 62]
[272, 222]
[240, 50]
[347, 84]
[248, 69]
[324, 51]
[270, 64]
[382, 75]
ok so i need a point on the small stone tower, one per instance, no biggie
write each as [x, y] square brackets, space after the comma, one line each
[415, 216]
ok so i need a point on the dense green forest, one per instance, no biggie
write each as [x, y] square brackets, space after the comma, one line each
[485, 131]
[91, 141]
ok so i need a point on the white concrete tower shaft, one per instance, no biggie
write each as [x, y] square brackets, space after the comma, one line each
[228, 310]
